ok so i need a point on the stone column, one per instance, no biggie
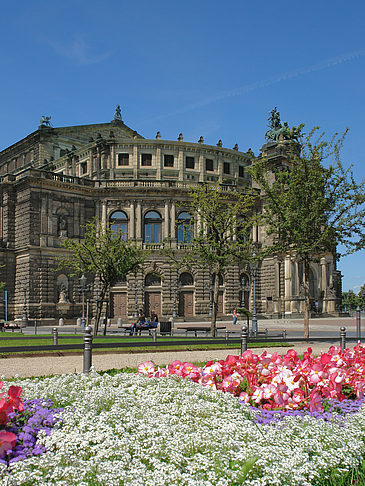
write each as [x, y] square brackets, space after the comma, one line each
[139, 221]
[112, 162]
[173, 222]
[324, 275]
[201, 168]
[103, 213]
[220, 169]
[132, 220]
[180, 164]
[277, 300]
[134, 161]
[166, 222]
[159, 163]
[288, 285]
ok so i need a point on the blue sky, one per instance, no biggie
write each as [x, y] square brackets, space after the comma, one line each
[200, 67]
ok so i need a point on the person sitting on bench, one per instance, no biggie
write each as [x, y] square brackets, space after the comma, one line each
[154, 320]
[139, 324]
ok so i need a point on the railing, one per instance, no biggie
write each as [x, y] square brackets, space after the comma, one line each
[88, 344]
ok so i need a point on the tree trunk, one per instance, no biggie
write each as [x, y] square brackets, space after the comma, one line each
[99, 308]
[306, 298]
[213, 327]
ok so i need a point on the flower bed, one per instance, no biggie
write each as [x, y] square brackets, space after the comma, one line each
[135, 430]
[274, 382]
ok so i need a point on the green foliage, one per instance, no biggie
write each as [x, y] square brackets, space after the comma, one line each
[223, 221]
[350, 300]
[104, 254]
[308, 208]
[218, 216]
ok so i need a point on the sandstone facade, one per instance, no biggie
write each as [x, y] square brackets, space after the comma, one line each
[56, 179]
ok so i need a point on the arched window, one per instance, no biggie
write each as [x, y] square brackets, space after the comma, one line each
[220, 279]
[184, 228]
[152, 227]
[186, 279]
[119, 224]
[152, 280]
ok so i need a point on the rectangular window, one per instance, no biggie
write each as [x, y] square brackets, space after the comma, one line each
[152, 233]
[241, 171]
[226, 168]
[168, 160]
[123, 159]
[146, 159]
[83, 167]
[190, 162]
[209, 165]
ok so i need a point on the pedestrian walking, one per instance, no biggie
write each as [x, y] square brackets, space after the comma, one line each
[235, 318]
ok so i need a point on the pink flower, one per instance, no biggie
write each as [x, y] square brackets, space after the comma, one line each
[146, 368]
[315, 402]
[175, 368]
[14, 398]
[7, 441]
[281, 395]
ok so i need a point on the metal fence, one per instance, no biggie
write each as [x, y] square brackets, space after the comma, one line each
[88, 345]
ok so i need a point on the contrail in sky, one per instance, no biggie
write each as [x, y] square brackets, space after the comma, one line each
[334, 61]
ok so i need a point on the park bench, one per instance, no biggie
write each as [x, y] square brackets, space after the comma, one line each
[196, 329]
[9, 326]
[163, 328]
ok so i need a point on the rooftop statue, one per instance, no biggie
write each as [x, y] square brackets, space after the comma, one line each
[277, 131]
[118, 113]
[45, 121]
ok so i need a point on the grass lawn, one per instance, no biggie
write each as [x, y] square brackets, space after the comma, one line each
[67, 339]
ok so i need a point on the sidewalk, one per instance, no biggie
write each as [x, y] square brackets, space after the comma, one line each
[57, 365]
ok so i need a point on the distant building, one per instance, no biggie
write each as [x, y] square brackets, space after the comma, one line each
[56, 179]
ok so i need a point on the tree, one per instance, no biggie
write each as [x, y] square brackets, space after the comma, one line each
[223, 221]
[309, 209]
[350, 300]
[105, 254]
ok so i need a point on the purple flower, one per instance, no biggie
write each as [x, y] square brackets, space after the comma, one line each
[38, 415]
[333, 409]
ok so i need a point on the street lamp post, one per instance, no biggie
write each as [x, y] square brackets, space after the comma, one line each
[83, 289]
[253, 269]
[135, 296]
[362, 297]
[358, 323]
[82, 282]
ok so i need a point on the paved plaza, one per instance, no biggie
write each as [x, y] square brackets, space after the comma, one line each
[49, 365]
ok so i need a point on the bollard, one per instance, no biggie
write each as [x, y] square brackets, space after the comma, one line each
[244, 337]
[266, 332]
[227, 336]
[119, 322]
[284, 334]
[61, 321]
[343, 338]
[88, 345]
[35, 326]
[78, 322]
[55, 336]
[154, 335]
[358, 323]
